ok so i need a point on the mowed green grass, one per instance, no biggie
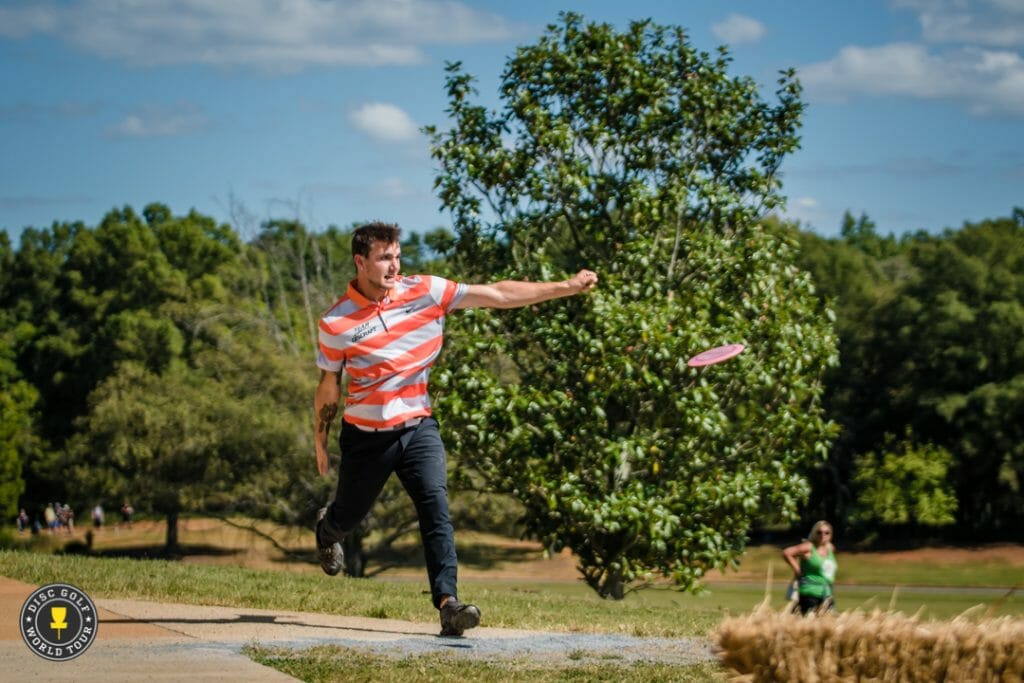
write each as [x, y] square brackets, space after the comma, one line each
[554, 606]
[942, 588]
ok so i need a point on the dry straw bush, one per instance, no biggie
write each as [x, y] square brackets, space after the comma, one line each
[877, 646]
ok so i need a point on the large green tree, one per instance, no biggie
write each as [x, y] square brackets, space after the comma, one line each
[637, 155]
[219, 438]
[159, 367]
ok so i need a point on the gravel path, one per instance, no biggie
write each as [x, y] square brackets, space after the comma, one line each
[554, 647]
[235, 627]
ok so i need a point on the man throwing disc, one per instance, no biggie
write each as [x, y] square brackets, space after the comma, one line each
[386, 332]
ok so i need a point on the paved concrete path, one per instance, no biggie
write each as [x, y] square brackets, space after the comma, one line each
[139, 640]
[126, 649]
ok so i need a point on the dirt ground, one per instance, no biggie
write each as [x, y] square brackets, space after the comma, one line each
[1012, 555]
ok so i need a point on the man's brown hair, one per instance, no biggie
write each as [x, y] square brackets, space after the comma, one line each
[365, 235]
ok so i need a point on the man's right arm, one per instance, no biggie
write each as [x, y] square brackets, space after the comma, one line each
[516, 293]
[325, 409]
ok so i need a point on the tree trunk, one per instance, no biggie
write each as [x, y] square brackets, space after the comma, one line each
[606, 583]
[612, 586]
[355, 557]
[171, 544]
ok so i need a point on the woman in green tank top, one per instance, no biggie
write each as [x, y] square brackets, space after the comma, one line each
[814, 565]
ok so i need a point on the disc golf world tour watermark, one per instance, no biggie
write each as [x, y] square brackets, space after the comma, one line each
[58, 622]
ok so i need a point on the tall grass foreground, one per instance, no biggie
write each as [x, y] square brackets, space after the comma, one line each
[881, 645]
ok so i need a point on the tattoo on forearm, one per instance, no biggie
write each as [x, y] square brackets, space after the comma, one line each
[327, 413]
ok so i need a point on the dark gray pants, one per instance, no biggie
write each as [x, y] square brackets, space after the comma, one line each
[417, 456]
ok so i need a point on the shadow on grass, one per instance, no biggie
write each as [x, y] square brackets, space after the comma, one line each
[406, 554]
[146, 552]
[475, 556]
[410, 556]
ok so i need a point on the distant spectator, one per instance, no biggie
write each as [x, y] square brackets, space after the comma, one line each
[97, 517]
[22, 521]
[67, 519]
[814, 566]
[127, 512]
[50, 515]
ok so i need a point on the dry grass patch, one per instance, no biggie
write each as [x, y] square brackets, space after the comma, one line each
[876, 646]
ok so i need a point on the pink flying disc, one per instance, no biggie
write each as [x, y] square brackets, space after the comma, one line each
[715, 355]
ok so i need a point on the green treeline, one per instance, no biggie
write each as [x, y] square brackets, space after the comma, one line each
[929, 391]
[164, 361]
[167, 361]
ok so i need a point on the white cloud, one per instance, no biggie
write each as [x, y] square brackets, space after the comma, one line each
[268, 34]
[990, 23]
[384, 122]
[986, 82]
[158, 121]
[737, 28]
[393, 188]
[900, 68]
[969, 54]
[19, 22]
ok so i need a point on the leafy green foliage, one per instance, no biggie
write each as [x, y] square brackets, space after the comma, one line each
[862, 235]
[17, 401]
[931, 343]
[636, 155]
[908, 483]
[180, 441]
[160, 350]
[953, 359]
[17, 436]
[852, 283]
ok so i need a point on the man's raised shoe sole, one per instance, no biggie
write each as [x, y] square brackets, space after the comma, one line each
[331, 557]
[457, 618]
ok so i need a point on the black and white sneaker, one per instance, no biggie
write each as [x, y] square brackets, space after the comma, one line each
[456, 617]
[331, 556]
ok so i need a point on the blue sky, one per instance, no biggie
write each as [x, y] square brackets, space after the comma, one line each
[248, 110]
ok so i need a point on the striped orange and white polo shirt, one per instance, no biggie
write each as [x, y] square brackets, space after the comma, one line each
[387, 347]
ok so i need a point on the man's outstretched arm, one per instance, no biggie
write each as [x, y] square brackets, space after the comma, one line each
[514, 293]
[325, 409]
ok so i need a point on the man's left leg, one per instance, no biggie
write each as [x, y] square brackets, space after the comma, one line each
[423, 472]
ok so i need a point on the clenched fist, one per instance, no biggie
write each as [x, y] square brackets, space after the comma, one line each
[584, 281]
